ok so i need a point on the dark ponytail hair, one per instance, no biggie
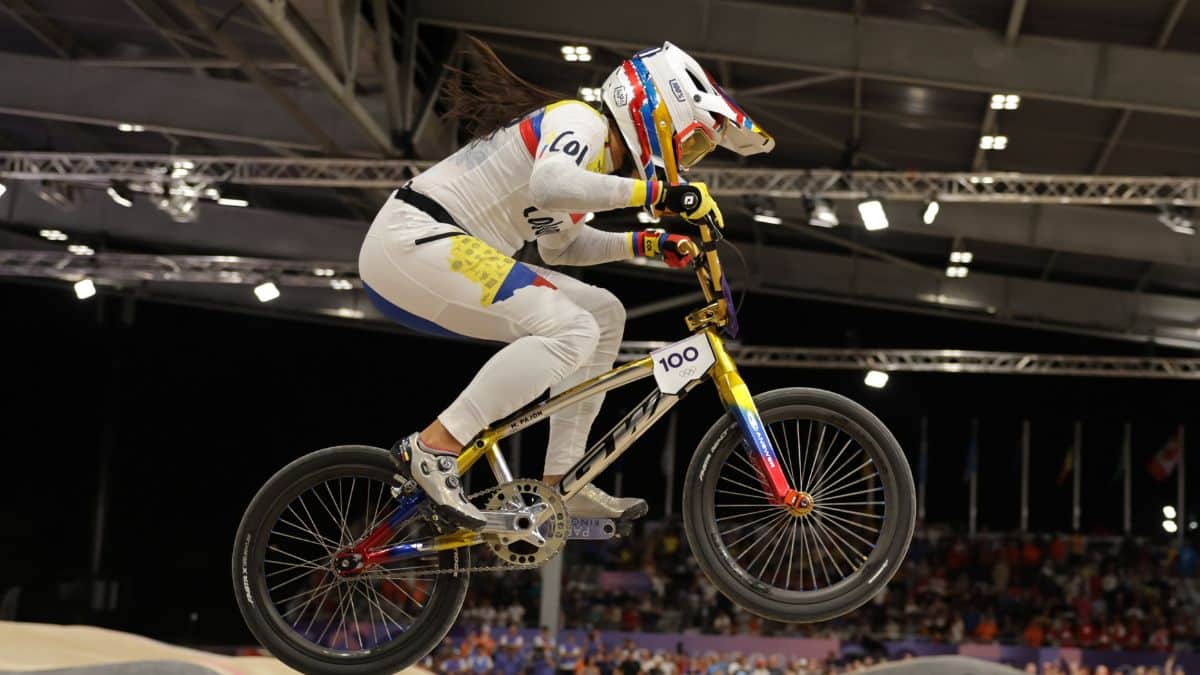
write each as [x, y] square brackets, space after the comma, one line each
[489, 96]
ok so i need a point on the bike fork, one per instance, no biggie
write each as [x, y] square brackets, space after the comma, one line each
[735, 395]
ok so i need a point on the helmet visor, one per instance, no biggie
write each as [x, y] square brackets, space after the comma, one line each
[696, 141]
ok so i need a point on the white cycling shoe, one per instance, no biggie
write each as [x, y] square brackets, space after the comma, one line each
[436, 472]
[592, 502]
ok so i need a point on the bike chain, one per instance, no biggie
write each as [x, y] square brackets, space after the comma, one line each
[507, 567]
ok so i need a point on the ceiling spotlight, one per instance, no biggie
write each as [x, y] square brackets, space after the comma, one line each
[993, 142]
[341, 284]
[961, 257]
[821, 213]
[131, 128]
[84, 289]
[1169, 512]
[956, 271]
[645, 218]
[876, 379]
[576, 53]
[767, 216]
[80, 249]
[872, 213]
[1005, 101]
[589, 94]
[229, 201]
[119, 197]
[1176, 219]
[986, 180]
[323, 272]
[931, 211]
[53, 235]
[1170, 526]
[266, 292]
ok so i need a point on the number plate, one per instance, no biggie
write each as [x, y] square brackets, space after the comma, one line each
[683, 362]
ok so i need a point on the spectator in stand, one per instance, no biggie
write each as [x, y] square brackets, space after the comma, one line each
[508, 660]
[569, 655]
[479, 663]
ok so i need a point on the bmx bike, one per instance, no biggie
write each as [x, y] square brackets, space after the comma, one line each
[798, 505]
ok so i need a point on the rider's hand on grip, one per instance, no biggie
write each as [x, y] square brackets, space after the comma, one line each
[692, 202]
[669, 248]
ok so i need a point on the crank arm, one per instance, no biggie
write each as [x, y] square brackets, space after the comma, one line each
[599, 529]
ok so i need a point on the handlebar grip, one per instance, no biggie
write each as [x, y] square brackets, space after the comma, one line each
[689, 248]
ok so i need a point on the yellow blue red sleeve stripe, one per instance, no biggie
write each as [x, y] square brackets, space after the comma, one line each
[645, 193]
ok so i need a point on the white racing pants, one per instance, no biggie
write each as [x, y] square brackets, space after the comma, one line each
[559, 331]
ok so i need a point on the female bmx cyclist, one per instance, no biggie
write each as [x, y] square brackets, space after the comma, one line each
[437, 256]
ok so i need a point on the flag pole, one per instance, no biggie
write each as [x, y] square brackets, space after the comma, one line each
[1126, 464]
[974, 477]
[668, 465]
[1180, 515]
[922, 467]
[1024, 475]
[1076, 510]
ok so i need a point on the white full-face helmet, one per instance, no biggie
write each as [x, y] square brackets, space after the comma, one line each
[671, 113]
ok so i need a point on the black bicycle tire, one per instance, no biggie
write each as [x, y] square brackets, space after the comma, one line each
[435, 621]
[895, 536]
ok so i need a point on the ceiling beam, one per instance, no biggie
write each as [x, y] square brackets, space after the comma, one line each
[156, 18]
[45, 30]
[788, 85]
[275, 14]
[234, 51]
[1088, 73]
[385, 46]
[1118, 130]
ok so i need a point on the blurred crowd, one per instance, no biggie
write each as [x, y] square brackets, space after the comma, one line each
[482, 653]
[1037, 591]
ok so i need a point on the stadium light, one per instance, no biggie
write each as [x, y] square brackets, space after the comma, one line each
[1169, 512]
[84, 289]
[1170, 526]
[266, 292]
[956, 272]
[229, 201]
[341, 284]
[821, 214]
[766, 216]
[997, 142]
[961, 257]
[1005, 101]
[323, 272]
[589, 94]
[53, 235]
[130, 128]
[876, 379]
[873, 215]
[81, 249]
[576, 53]
[931, 211]
[118, 198]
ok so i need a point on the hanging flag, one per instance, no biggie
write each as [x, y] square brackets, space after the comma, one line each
[1163, 463]
[1068, 464]
[971, 465]
[1119, 469]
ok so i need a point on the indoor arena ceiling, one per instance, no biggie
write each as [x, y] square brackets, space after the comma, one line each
[1104, 87]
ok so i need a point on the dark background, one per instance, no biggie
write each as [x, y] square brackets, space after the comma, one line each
[198, 407]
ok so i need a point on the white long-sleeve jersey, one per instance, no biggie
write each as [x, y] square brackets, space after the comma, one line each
[535, 180]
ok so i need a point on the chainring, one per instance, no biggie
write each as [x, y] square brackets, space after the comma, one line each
[516, 551]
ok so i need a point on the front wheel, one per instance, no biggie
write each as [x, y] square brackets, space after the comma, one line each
[293, 598]
[808, 564]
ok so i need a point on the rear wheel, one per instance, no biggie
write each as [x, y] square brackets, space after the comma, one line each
[296, 604]
[815, 563]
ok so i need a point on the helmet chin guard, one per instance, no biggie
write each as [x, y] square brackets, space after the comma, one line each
[671, 114]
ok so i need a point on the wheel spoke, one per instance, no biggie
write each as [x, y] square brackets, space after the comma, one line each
[779, 537]
[817, 495]
[840, 545]
[781, 453]
[833, 463]
[827, 498]
[759, 492]
[860, 514]
[739, 494]
[769, 528]
[841, 474]
[787, 582]
[752, 532]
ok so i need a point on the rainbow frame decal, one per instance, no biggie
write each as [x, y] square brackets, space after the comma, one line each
[738, 401]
